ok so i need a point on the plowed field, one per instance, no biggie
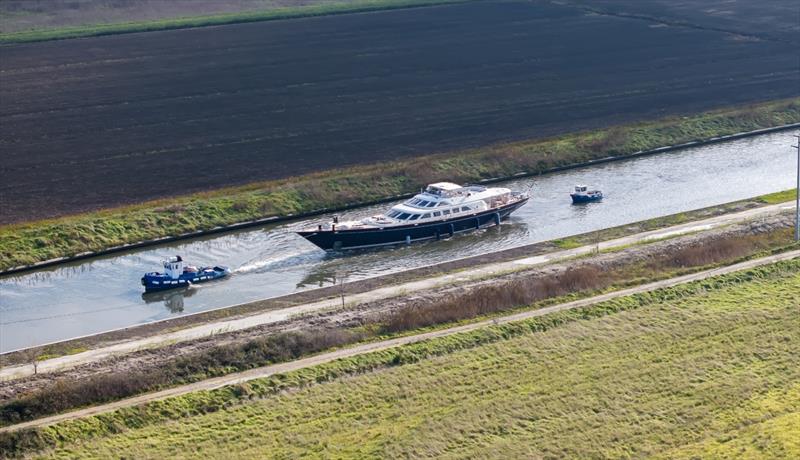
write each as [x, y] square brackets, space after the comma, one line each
[90, 123]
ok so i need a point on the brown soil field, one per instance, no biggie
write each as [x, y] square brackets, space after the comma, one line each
[768, 19]
[93, 123]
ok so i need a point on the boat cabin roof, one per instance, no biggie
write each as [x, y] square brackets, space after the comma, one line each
[444, 186]
[449, 189]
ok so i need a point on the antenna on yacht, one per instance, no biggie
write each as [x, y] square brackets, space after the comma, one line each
[530, 188]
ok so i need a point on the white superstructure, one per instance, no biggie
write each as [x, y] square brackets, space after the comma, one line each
[173, 267]
[439, 201]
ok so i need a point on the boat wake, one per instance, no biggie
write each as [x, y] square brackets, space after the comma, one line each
[275, 262]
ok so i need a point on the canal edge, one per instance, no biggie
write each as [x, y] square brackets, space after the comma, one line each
[290, 217]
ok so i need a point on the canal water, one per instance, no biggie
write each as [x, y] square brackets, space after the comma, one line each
[102, 294]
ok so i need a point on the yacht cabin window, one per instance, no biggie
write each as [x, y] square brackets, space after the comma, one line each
[455, 210]
[437, 214]
[465, 209]
[426, 215]
[414, 217]
[446, 212]
[403, 216]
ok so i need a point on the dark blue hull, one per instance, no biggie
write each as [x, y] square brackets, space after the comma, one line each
[153, 282]
[577, 199]
[364, 238]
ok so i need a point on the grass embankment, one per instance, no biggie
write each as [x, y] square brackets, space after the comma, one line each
[82, 344]
[25, 244]
[673, 219]
[780, 197]
[705, 368]
[326, 9]
[531, 292]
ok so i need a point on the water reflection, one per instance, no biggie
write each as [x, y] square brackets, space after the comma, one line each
[336, 266]
[172, 299]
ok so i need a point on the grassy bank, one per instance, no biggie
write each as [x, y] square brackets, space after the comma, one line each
[356, 287]
[25, 244]
[670, 372]
[673, 219]
[780, 197]
[531, 292]
[345, 6]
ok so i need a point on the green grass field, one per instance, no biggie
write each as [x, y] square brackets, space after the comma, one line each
[28, 243]
[309, 10]
[708, 369]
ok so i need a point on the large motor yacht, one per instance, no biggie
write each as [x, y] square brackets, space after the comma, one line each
[441, 210]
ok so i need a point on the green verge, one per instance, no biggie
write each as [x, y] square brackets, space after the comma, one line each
[94, 30]
[28, 243]
[672, 219]
[726, 306]
[780, 197]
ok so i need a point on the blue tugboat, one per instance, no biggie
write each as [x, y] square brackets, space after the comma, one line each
[441, 210]
[177, 276]
[583, 195]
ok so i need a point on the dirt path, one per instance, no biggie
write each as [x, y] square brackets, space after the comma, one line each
[266, 371]
[276, 316]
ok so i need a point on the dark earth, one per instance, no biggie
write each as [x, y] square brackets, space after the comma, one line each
[92, 123]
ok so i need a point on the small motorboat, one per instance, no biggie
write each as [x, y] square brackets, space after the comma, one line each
[582, 194]
[177, 276]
